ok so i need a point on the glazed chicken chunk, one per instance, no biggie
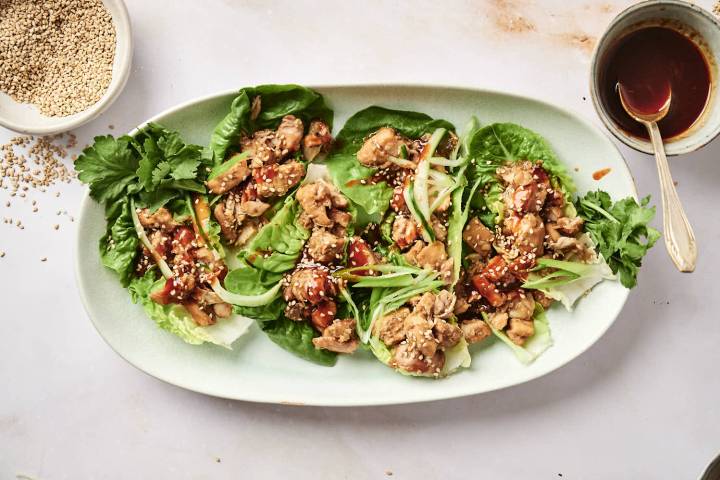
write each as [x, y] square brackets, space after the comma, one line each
[239, 219]
[325, 247]
[338, 337]
[478, 237]
[382, 145]
[231, 178]
[271, 146]
[317, 141]
[277, 179]
[432, 256]
[318, 200]
[161, 218]
[419, 337]
[310, 285]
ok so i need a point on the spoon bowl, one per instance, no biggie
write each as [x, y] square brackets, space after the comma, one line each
[631, 102]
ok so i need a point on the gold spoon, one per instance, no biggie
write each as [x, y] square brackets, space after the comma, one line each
[679, 236]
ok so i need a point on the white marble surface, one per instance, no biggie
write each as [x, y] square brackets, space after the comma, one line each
[643, 403]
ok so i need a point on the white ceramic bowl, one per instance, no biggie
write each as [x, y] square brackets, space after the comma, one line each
[25, 118]
[703, 28]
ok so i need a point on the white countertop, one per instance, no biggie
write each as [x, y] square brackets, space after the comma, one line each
[643, 403]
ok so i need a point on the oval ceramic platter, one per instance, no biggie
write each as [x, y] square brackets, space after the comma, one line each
[258, 370]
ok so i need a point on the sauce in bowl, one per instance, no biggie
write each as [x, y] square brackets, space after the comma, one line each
[646, 62]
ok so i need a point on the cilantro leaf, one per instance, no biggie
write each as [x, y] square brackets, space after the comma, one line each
[109, 166]
[620, 230]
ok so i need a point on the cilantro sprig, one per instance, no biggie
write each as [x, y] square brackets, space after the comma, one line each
[621, 231]
[154, 164]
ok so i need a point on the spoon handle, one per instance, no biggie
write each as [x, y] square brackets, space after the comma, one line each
[679, 236]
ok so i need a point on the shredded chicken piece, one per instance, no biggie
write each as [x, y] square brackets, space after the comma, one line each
[542, 299]
[419, 334]
[311, 285]
[325, 247]
[298, 311]
[248, 230]
[254, 208]
[527, 186]
[520, 330]
[377, 149]
[205, 297]
[236, 225]
[529, 233]
[231, 178]
[553, 213]
[439, 229]
[404, 232]
[260, 148]
[277, 180]
[443, 305]
[521, 306]
[390, 327]
[317, 141]
[498, 320]
[432, 256]
[341, 220]
[475, 330]
[198, 314]
[564, 243]
[447, 334]
[517, 174]
[478, 237]
[161, 218]
[289, 134]
[569, 226]
[427, 256]
[317, 200]
[339, 337]
[404, 357]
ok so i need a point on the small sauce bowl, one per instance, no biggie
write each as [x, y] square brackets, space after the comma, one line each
[694, 22]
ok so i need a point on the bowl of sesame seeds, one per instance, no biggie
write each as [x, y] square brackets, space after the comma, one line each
[62, 62]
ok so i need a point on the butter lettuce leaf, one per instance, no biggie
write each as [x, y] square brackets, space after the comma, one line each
[276, 101]
[118, 247]
[277, 246]
[350, 176]
[346, 173]
[497, 144]
[296, 338]
[175, 319]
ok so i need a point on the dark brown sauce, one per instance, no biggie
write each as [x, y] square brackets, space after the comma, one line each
[646, 62]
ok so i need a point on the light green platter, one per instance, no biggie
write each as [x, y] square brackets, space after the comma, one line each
[257, 370]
